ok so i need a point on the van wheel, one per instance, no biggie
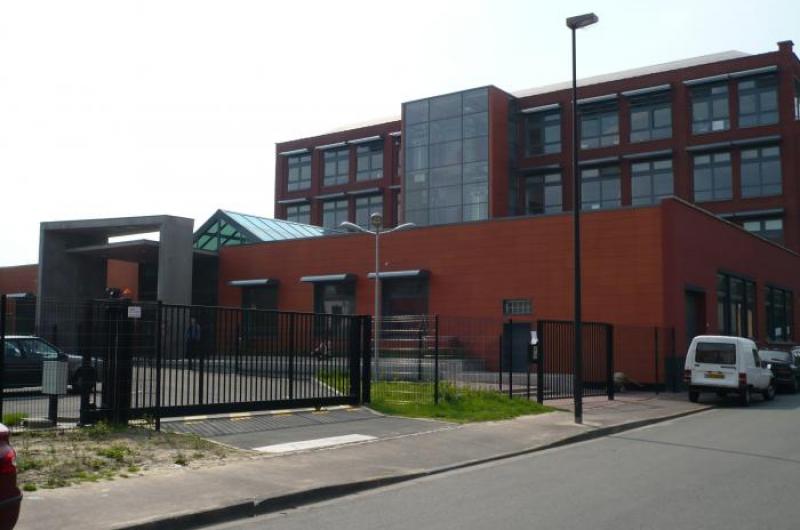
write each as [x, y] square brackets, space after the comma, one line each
[744, 398]
[769, 393]
[694, 397]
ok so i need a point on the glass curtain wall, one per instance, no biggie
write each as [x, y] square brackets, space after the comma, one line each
[446, 155]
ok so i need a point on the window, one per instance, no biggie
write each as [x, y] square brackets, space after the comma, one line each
[780, 314]
[299, 213]
[600, 188]
[335, 298]
[651, 117]
[599, 125]
[517, 306]
[712, 177]
[446, 158]
[260, 297]
[768, 228]
[758, 101]
[710, 108]
[334, 213]
[369, 161]
[337, 166]
[404, 296]
[715, 353]
[736, 301]
[299, 175]
[543, 193]
[543, 133]
[366, 206]
[651, 181]
[797, 99]
[761, 171]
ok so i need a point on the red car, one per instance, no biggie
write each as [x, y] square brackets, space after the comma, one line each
[10, 496]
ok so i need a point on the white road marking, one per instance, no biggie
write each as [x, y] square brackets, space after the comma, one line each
[314, 444]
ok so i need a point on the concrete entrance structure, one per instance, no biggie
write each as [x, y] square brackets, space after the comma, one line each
[73, 257]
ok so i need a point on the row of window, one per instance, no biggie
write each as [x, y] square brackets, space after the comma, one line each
[651, 115]
[336, 166]
[336, 211]
[736, 308]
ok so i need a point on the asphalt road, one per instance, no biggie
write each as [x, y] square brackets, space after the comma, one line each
[726, 468]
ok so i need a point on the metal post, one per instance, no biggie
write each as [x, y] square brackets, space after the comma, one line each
[366, 370]
[540, 363]
[510, 347]
[2, 349]
[655, 351]
[377, 317]
[419, 354]
[577, 380]
[500, 364]
[291, 352]
[610, 361]
[159, 308]
[436, 360]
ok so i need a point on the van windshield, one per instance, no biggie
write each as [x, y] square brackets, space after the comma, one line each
[715, 353]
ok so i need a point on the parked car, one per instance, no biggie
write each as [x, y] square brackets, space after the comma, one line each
[726, 365]
[24, 360]
[785, 368]
[10, 496]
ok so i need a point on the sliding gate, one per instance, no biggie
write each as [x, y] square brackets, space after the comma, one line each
[156, 360]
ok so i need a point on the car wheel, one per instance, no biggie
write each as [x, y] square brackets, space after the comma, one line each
[694, 397]
[769, 393]
[744, 398]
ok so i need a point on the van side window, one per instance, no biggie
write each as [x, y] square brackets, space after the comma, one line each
[756, 358]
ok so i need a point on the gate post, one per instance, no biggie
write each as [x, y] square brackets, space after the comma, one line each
[354, 350]
[2, 349]
[159, 320]
[436, 361]
[610, 361]
[366, 365]
[540, 362]
[655, 355]
[291, 354]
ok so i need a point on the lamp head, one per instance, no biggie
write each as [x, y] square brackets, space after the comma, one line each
[376, 220]
[581, 21]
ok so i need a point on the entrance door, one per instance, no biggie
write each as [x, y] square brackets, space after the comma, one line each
[695, 314]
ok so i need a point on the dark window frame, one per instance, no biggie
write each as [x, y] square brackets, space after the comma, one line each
[297, 178]
[601, 114]
[335, 207]
[546, 181]
[369, 204]
[705, 94]
[651, 175]
[299, 213]
[761, 188]
[761, 85]
[717, 192]
[606, 174]
[340, 159]
[736, 311]
[537, 124]
[650, 105]
[772, 233]
[517, 306]
[779, 308]
[369, 161]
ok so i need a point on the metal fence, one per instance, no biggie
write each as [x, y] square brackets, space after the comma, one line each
[152, 360]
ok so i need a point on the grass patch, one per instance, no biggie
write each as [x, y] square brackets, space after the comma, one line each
[58, 458]
[457, 404]
[12, 419]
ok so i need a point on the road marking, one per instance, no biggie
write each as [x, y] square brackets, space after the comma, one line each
[314, 444]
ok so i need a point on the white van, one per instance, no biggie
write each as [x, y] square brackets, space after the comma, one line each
[726, 365]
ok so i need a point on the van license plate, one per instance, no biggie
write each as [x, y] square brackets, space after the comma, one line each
[715, 375]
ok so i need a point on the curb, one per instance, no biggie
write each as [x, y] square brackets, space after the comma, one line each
[256, 507]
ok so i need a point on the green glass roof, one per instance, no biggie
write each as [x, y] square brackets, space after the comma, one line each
[232, 228]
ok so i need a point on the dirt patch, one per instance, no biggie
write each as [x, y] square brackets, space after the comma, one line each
[58, 458]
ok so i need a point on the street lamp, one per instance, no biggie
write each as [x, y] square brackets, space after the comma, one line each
[376, 221]
[575, 23]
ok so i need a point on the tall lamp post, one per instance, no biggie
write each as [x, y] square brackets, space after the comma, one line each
[376, 221]
[575, 23]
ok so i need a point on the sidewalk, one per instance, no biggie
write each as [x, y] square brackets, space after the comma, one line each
[269, 483]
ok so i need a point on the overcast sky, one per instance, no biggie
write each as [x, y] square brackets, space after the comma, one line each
[112, 108]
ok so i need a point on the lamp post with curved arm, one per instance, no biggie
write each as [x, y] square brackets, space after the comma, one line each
[376, 221]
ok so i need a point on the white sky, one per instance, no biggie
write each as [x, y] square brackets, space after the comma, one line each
[111, 108]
